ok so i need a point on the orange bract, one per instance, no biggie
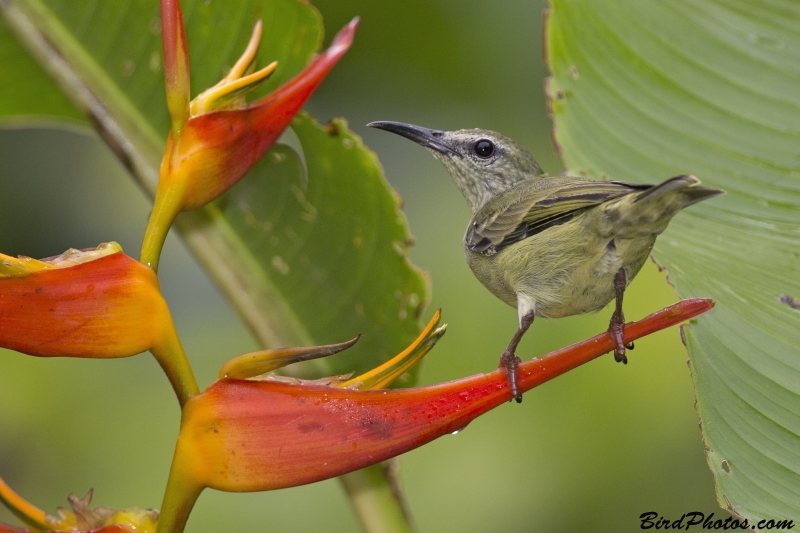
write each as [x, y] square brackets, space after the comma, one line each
[90, 304]
[107, 307]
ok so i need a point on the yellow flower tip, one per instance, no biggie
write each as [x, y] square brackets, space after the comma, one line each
[228, 95]
[12, 267]
[246, 63]
[254, 364]
[230, 92]
[384, 375]
[83, 517]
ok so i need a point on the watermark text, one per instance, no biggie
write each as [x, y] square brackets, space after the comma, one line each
[698, 520]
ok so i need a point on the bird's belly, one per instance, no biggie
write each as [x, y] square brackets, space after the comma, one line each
[576, 278]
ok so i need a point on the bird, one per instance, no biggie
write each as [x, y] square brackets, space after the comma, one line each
[551, 246]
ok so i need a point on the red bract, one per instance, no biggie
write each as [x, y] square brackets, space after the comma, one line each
[220, 147]
[218, 137]
[261, 435]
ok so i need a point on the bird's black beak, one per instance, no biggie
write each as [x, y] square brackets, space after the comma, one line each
[422, 136]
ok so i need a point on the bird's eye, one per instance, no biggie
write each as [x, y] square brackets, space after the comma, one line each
[484, 148]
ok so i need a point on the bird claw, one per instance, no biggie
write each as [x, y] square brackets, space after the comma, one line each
[617, 330]
[510, 362]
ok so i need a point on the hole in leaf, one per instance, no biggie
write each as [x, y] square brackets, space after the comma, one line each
[791, 301]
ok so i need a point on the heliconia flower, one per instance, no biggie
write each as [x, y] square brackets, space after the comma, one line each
[81, 519]
[253, 435]
[217, 137]
[96, 303]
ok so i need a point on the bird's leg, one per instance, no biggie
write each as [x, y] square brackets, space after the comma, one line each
[509, 359]
[617, 325]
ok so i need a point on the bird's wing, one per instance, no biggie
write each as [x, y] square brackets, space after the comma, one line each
[502, 222]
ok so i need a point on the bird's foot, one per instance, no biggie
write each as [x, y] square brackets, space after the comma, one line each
[617, 330]
[510, 362]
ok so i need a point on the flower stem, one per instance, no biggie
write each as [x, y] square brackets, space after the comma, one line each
[166, 207]
[170, 355]
[180, 496]
[25, 511]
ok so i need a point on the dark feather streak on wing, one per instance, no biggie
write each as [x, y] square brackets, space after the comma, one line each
[524, 219]
[634, 186]
[524, 230]
[593, 198]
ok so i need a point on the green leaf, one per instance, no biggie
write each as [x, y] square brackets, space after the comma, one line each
[25, 88]
[645, 90]
[302, 266]
[334, 251]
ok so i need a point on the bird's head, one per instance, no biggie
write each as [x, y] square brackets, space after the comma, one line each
[482, 163]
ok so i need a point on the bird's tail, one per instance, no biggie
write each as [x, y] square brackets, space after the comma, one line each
[687, 185]
[649, 211]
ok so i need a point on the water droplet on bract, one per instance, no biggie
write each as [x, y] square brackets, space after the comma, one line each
[459, 430]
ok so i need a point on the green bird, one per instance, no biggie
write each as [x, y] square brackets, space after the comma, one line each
[551, 246]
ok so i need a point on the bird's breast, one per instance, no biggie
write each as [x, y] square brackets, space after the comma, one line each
[565, 270]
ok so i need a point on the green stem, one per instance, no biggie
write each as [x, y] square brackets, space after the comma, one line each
[377, 500]
[179, 497]
[170, 355]
[165, 209]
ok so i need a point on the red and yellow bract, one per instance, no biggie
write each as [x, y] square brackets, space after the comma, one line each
[209, 150]
[260, 435]
[215, 150]
[106, 307]
[92, 304]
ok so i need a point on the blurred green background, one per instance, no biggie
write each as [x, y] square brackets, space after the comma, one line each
[590, 451]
